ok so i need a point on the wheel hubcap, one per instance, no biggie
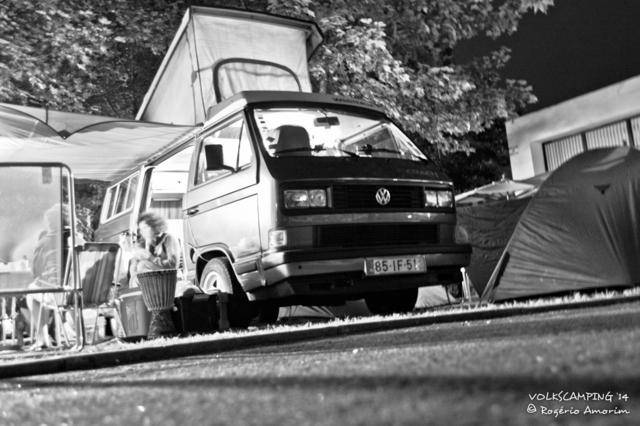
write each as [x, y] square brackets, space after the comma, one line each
[210, 283]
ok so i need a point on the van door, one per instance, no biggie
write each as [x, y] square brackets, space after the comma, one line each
[222, 205]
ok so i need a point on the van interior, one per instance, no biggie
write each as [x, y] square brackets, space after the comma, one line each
[167, 186]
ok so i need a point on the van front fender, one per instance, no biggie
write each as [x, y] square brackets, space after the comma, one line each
[202, 255]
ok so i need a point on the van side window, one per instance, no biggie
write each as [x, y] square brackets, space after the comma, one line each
[236, 150]
[245, 155]
[131, 196]
[120, 198]
[109, 202]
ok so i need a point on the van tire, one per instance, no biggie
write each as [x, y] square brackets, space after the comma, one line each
[217, 277]
[392, 302]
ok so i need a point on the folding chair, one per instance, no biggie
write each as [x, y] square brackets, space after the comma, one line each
[98, 264]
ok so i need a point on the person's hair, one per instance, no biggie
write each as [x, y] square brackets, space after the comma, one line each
[154, 221]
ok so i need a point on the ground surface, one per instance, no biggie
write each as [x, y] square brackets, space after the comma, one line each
[481, 372]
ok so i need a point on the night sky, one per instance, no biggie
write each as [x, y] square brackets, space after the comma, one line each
[577, 47]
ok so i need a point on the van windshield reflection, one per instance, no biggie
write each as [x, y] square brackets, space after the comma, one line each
[320, 132]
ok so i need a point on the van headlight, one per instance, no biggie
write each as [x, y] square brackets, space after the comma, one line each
[438, 198]
[305, 198]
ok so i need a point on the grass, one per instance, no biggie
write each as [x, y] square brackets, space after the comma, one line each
[476, 372]
[309, 324]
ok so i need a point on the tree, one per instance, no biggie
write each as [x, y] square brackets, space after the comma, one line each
[399, 55]
[88, 56]
[95, 56]
[487, 161]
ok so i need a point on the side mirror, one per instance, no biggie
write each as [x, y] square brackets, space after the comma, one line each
[215, 158]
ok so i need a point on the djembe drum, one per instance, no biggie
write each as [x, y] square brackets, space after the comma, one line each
[158, 291]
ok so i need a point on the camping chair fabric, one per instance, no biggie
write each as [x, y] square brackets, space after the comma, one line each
[580, 231]
[98, 264]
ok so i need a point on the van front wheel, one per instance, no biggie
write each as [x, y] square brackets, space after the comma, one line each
[217, 277]
[392, 302]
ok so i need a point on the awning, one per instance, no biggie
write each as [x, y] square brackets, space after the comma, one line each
[101, 151]
[62, 122]
[18, 124]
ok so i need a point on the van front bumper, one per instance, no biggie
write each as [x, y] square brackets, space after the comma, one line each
[340, 273]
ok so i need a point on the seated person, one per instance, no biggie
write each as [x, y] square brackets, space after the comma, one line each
[49, 256]
[157, 249]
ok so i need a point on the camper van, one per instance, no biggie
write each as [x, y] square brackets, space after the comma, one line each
[287, 198]
[279, 195]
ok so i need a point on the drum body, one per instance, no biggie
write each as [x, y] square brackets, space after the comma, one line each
[158, 292]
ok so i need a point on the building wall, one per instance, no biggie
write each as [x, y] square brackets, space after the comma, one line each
[541, 141]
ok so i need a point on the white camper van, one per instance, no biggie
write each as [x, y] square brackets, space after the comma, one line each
[285, 197]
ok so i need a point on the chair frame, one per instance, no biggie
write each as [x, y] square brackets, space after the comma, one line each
[69, 283]
[110, 303]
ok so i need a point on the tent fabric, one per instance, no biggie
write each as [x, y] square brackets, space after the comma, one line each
[103, 151]
[182, 91]
[580, 231]
[489, 227]
[502, 189]
[235, 76]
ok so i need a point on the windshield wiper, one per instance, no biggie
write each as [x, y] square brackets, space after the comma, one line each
[317, 148]
[368, 150]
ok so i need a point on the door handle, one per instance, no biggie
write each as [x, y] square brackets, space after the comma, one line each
[192, 211]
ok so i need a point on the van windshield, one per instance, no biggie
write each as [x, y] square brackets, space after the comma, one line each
[321, 132]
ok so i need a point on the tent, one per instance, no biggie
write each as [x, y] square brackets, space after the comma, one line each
[580, 231]
[218, 52]
[487, 215]
[488, 226]
[502, 189]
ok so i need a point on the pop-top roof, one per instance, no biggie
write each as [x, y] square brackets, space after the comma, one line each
[219, 52]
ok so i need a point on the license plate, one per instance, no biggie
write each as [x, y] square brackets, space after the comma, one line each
[395, 265]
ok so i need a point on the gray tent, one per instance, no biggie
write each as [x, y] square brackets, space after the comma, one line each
[580, 231]
[489, 226]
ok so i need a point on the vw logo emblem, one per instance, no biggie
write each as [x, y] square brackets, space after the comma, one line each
[383, 196]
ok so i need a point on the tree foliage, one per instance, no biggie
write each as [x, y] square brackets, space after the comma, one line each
[99, 56]
[400, 55]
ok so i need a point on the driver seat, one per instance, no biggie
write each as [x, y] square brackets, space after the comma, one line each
[290, 139]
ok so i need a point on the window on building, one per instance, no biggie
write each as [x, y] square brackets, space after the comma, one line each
[608, 136]
[561, 150]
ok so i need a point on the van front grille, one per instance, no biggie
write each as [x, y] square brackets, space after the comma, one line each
[355, 197]
[363, 235]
